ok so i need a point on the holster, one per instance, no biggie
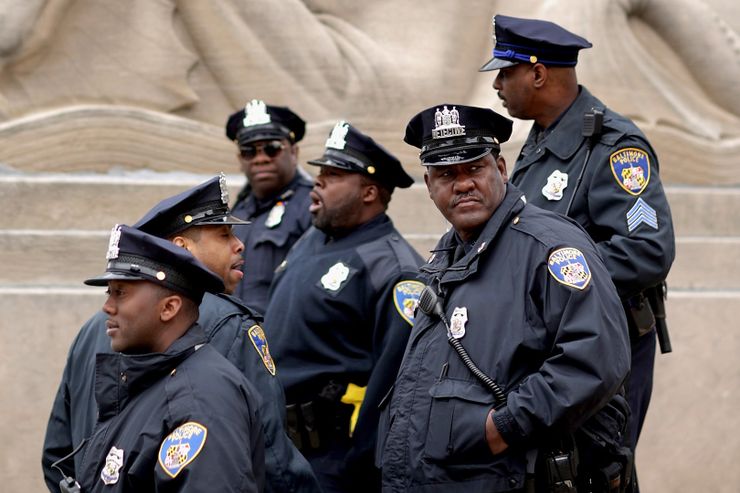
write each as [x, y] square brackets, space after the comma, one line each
[318, 423]
[640, 317]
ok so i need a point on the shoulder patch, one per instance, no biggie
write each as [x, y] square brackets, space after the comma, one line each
[406, 297]
[631, 168]
[568, 266]
[259, 341]
[181, 447]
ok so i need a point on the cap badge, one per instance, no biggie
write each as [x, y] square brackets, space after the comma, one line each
[457, 322]
[568, 266]
[115, 237]
[335, 276]
[338, 135]
[406, 298]
[259, 341]
[275, 216]
[447, 123]
[556, 183]
[113, 464]
[255, 113]
[224, 188]
[493, 23]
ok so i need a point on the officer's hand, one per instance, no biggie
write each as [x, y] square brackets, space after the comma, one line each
[495, 441]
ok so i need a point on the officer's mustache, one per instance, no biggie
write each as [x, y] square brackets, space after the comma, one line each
[465, 196]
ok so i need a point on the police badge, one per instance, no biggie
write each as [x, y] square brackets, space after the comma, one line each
[224, 189]
[457, 322]
[556, 183]
[113, 464]
[447, 123]
[115, 237]
[333, 279]
[275, 216]
[338, 135]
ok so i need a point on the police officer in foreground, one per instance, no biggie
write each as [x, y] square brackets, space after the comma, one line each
[584, 160]
[341, 309]
[275, 199]
[173, 414]
[198, 220]
[519, 337]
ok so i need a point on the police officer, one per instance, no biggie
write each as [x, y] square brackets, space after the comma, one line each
[173, 414]
[275, 199]
[341, 308]
[520, 335]
[586, 161]
[198, 220]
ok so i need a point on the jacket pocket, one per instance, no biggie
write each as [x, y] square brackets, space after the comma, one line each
[456, 432]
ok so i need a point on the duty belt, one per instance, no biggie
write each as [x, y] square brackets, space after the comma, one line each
[320, 422]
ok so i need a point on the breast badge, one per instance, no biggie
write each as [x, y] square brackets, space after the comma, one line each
[556, 183]
[181, 447]
[631, 168]
[259, 340]
[406, 297]
[568, 266]
[333, 279]
[275, 216]
[113, 464]
[457, 322]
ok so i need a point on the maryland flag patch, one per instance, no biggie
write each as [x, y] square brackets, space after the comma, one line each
[406, 297]
[568, 266]
[259, 341]
[181, 447]
[631, 168]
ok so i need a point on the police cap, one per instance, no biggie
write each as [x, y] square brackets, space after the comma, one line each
[134, 255]
[260, 121]
[455, 134]
[203, 205]
[519, 40]
[349, 149]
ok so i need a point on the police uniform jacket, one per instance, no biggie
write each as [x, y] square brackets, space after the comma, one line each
[345, 327]
[235, 332]
[277, 223]
[620, 201]
[184, 419]
[559, 351]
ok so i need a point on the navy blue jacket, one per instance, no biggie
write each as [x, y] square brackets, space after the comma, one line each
[543, 320]
[182, 420]
[235, 332]
[342, 309]
[277, 223]
[621, 176]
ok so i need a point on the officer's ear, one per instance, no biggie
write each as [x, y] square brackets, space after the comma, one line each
[181, 241]
[539, 75]
[169, 307]
[501, 165]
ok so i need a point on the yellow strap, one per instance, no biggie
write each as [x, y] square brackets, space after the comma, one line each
[354, 396]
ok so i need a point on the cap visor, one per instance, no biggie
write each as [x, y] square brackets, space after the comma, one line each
[462, 156]
[102, 280]
[495, 64]
[334, 163]
[257, 135]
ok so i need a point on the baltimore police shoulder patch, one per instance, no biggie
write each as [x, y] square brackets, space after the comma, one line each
[181, 447]
[406, 297]
[568, 266]
[259, 341]
[631, 168]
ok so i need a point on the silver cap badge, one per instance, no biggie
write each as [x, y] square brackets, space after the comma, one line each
[224, 188]
[338, 134]
[115, 237]
[447, 123]
[255, 113]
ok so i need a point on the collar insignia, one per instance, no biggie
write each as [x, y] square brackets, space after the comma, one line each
[447, 123]
[255, 113]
